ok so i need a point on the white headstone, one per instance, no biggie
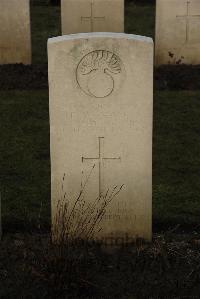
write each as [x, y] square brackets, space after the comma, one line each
[101, 100]
[177, 32]
[15, 37]
[92, 16]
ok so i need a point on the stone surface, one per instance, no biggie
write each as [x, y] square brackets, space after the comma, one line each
[92, 16]
[15, 37]
[177, 32]
[101, 100]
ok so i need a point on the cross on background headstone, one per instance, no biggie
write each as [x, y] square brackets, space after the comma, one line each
[92, 18]
[101, 159]
[187, 17]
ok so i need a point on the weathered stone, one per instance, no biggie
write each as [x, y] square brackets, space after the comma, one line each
[101, 99]
[15, 37]
[92, 16]
[177, 32]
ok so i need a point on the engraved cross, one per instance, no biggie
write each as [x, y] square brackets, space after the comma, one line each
[101, 159]
[92, 18]
[188, 17]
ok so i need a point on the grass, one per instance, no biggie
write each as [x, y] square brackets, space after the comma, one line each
[46, 23]
[25, 162]
[24, 147]
[135, 272]
[176, 185]
[140, 20]
[138, 272]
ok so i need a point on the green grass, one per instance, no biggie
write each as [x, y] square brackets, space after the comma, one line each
[24, 147]
[24, 160]
[140, 20]
[176, 196]
[46, 23]
[25, 165]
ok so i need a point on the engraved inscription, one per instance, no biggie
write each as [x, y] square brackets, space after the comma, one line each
[92, 18]
[100, 160]
[98, 73]
[188, 18]
[112, 121]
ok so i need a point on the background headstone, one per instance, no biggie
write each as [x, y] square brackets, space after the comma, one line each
[101, 99]
[177, 32]
[15, 36]
[92, 16]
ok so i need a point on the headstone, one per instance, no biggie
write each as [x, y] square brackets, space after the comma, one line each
[0, 220]
[101, 99]
[92, 16]
[15, 37]
[177, 32]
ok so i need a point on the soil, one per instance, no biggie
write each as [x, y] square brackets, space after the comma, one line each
[168, 268]
[21, 77]
[177, 77]
[57, 2]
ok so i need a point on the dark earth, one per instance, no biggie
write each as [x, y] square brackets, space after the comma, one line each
[178, 77]
[57, 2]
[31, 267]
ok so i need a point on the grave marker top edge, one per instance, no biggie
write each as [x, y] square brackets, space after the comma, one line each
[78, 36]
